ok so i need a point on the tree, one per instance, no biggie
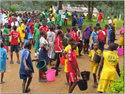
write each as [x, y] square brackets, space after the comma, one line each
[90, 9]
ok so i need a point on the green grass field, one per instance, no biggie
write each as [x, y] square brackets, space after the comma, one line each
[93, 21]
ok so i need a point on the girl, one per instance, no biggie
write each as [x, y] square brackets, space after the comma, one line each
[58, 49]
[108, 67]
[121, 41]
[43, 53]
[51, 38]
[3, 58]
[26, 67]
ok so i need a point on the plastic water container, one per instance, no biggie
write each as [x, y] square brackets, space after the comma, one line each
[82, 84]
[120, 51]
[50, 75]
[85, 75]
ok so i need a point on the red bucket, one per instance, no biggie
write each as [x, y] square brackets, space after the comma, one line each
[62, 60]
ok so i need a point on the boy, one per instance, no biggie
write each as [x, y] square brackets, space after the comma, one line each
[94, 65]
[14, 43]
[3, 55]
[58, 18]
[37, 36]
[44, 27]
[73, 69]
[26, 67]
[88, 30]
[108, 67]
[115, 22]
[66, 17]
[99, 16]
[6, 31]
[106, 31]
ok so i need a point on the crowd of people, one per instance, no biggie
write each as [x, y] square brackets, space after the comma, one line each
[44, 32]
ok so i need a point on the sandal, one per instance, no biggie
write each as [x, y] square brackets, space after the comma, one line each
[18, 62]
[27, 90]
[11, 62]
[42, 81]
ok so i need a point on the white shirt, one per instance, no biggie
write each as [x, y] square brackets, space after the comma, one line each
[18, 19]
[16, 24]
[51, 37]
[43, 41]
[80, 34]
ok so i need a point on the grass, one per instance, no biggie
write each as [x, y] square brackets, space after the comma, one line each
[93, 21]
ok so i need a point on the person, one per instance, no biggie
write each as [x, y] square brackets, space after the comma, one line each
[3, 57]
[14, 43]
[68, 33]
[73, 69]
[51, 39]
[26, 67]
[80, 21]
[58, 49]
[37, 36]
[101, 39]
[58, 18]
[44, 27]
[99, 16]
[21, 30]
[94, 65]
[94, 36]
[66, 17]
[14, 23]
[51, 10]
[67, 48]
[79, 33]
[106, 31]
[109, 32]
[6, 31]
[115, 22]
[46, 14]
[112, 35]
[44, 46]
[50, 21]
[88, 30]
[108, 67]
[121, 41]
[74, 18]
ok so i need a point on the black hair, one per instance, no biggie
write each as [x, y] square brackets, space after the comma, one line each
[28, 45]
[73, 42]
[95, 27]
[51, 27]
[113, 46]
[59, 32]
[80, 26]
[106, 26]
[99, 28]
[115, 16]
[2, 45]
[42, 33]
[59, 27]
[100, 10]
[68, 29]
[97, 24]
[73, 28]
[113, 28]
[70, 39]
[14, 27]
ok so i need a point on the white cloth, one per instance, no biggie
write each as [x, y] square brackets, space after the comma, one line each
[51, 38]
[16, 24]
[4, 19]
[43, 41]
[18, 19]
[80, 34]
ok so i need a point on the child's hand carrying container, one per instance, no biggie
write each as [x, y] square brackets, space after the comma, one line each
[50, 75]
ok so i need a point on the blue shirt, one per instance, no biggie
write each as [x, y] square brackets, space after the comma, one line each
[28, 31]
[109, 33]
[94, 35]
[88, 32]
[80, 21]
[26, 55]
[3, 57]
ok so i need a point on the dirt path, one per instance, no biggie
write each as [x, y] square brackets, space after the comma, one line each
[14, 84]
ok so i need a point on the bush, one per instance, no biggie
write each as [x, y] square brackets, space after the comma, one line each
[118, 85]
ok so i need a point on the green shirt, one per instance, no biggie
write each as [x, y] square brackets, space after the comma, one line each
[35, 26]
[47, 14]
[6, 31]
[37, 33]
[49, 23]
[40, 22]
[66, 14]
[58, 16]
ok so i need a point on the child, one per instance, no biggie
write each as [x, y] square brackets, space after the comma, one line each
[94, 36]
[14, 43]
[73, 69]
[51, 38]
[108, 67]
[3, 55]
[43, 53]
[121, 41]
[66, 17]
[79, 33]
[115, 22]
[68, 33]
[112, 35]
[26, 67]
[37, 36]
[58, 49]
[44, 27]
[68, 47]
[80, 22]
[106, 31]
[94, 65]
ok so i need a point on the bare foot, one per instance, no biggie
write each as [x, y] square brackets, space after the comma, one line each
[95, 85]
[2, 82]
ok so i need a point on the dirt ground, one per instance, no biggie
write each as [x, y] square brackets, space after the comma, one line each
[14, 84]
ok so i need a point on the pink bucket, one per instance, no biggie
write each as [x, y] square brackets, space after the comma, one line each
[120, 51]
[50, 75]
